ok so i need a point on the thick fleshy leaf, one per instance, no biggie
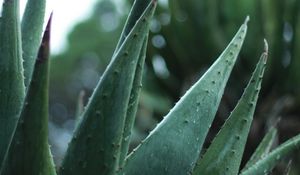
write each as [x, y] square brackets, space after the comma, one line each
[181, 134]
[95, 146]
[29, 151]
[12, 90]
[225, 153]
[136, 12]
[32, 28]
[263, 148]
[267, 163]
[133, 104]
[288, 168]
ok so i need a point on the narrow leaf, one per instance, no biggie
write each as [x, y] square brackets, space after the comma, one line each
[266, 164]
[288, 168]
[135, 13]
[225, 153]
[12, 90]
[29, 151]
[95, 146]
[181, 134]
[133, 104]
[263, 148]
[32, 28]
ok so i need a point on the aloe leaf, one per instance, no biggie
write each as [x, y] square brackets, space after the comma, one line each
[288, 168]
[29, 150]
[30, 142]
[225, 153]
[133, 104]
[32, 29]
[263, 148]
[135, 13]
[181, 133]
[12, 90]
[267, 163]
[95, 146]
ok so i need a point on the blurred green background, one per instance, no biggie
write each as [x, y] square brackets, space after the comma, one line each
[185, 38]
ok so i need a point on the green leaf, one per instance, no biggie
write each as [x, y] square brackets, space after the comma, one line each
[135, 13]
[263, 148]
[32, 28]
[225, 153]
[12, 90]
[95, 146]
[133, 104]
[267, 163]
[29, 150]
[288, 168]
[181, 134]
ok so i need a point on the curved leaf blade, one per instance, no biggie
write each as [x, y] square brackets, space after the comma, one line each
[182, 132]
[225, 153]
[135, 13]
[133, 104]
[12, 89]
[266, 164]
[95, 146]
[32, 29]
[29, 150]
[263, 148]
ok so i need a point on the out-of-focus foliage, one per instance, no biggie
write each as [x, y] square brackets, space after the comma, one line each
[185, 36]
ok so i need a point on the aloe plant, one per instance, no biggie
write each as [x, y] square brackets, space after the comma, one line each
[100, 143]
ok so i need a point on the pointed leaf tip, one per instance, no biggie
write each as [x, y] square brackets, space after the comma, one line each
[264, 56]
[48, 28]
[266, 49]
[114, 90]
[186, 125]
[43, 53]
[224, 155]
[247, 20]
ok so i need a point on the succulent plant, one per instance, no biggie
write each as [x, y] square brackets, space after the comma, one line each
[101, 139]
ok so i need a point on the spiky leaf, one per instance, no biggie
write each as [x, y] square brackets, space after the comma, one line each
[12, 90]
[32, 28]
[95, 146]
[225, 153]
[181, 134]
[29, 151]
[287, 170]
[263, 148]
[135, 13]
[266, 164]
[133, 104]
